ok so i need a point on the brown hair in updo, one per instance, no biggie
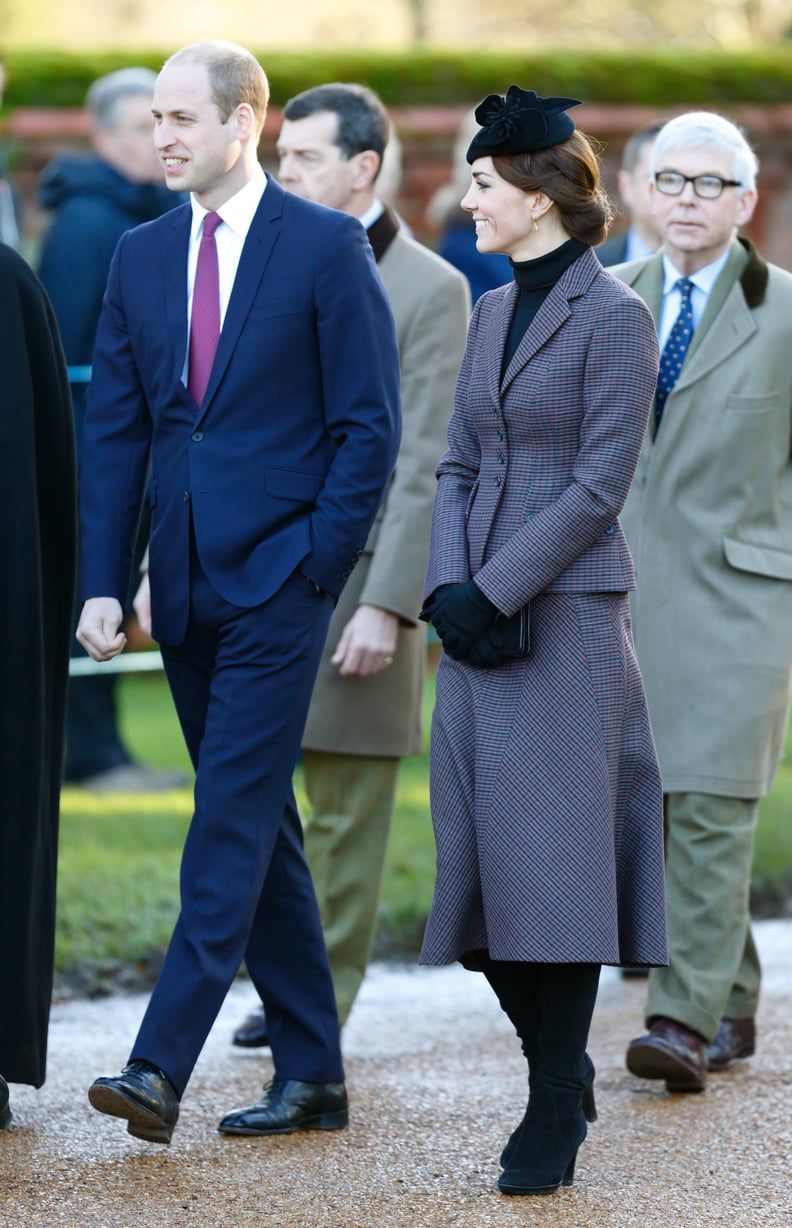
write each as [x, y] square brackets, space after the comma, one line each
[569, 174]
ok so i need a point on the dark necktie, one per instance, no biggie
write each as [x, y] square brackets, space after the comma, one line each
[205, 318]
[675, 348]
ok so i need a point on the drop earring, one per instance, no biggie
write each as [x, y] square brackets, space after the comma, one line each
[535, 227]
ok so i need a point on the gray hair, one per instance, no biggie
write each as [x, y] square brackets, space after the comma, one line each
[106, 92]
[705, 128]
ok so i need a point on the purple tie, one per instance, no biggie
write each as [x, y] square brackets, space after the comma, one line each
[205, 319]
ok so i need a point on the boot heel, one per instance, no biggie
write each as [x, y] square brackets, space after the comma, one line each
[569, 1175]
[587, 1103]
[5, 1117]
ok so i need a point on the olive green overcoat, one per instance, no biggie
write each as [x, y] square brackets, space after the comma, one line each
[381, 714]
[709, 523]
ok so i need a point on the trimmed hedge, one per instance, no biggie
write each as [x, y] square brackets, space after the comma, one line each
[668, 77]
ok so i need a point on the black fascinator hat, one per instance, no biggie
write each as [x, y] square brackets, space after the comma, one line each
[520, 122]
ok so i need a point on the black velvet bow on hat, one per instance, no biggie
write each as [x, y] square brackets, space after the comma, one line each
[520, 122]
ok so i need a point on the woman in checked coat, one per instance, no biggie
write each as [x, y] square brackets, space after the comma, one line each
[546, 796]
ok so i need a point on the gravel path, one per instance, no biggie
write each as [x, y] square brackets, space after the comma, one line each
[436, 1083]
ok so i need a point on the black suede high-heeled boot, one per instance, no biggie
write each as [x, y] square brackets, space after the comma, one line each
[587, 1104]
[543, 1157]
[550, 1006]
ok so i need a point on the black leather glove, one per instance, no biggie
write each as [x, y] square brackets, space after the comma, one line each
[504, 641]
[460, 614]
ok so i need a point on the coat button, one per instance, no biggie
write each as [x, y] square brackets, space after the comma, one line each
[197, 437]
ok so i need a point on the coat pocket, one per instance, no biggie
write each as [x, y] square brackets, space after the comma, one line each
[295, 484]
[752, 405]
[767, 561]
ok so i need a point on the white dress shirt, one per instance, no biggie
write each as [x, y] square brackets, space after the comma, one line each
[237, 215]
[703, 281]
[372, 214]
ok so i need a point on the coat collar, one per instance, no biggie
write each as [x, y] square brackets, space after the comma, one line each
[554, 311]
[382, 233]
[727, 320]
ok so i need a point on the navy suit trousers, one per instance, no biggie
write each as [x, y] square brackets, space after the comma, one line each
[241, 681]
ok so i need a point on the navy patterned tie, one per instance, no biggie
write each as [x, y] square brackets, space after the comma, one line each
[675, 348]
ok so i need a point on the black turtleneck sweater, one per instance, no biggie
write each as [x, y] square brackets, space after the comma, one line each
[535, 279]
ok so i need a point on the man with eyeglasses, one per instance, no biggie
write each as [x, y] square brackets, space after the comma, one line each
[709, 521]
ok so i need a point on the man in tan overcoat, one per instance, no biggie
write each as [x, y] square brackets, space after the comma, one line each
[709, 521]
[365, 713]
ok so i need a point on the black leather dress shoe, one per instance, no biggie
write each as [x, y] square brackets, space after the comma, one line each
[736, 1038]
[289, 1105]
[672, 1052]
[252, 1031]
[5, 1110]
[144, 1096]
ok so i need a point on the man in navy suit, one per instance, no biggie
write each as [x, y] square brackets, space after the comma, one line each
[264, 485]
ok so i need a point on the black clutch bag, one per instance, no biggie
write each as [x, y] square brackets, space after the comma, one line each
[508, 639]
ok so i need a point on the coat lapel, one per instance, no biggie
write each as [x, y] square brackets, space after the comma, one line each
[174, 248]
[496, 340]
[259, 244]
[649, 284]
[733, 322]
[554, 312]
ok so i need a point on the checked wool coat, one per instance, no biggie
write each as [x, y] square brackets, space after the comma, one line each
[546, 796]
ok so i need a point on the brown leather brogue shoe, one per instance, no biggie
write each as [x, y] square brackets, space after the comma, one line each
[289, 1105]
[252, 1031]
[672, 1052]
[736, 1038]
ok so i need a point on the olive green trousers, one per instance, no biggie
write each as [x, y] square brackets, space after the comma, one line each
[714, 970]
[346, 839]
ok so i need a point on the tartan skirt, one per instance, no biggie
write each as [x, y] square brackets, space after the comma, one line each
[546, 798]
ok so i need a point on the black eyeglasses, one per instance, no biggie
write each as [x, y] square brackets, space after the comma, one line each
[707, 187]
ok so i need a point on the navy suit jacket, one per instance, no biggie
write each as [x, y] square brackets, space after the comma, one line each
[286, 461]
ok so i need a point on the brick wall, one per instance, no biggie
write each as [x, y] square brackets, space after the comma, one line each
[427, 136]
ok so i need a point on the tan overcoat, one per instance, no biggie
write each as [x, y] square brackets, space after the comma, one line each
[381, 714]
[709, 522]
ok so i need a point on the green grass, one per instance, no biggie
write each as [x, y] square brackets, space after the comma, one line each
[119, 856]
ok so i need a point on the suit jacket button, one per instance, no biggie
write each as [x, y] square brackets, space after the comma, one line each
[186, 496]
[197, 437]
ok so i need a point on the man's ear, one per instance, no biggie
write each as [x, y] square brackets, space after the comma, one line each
[367, 166]
[746, 206]
[245, 122]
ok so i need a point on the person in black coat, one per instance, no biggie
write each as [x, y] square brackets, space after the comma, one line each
[37, 498]
[95, 199]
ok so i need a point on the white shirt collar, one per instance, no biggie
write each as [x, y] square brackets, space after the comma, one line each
[372, 214]
[239, 210]
[704, 279]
